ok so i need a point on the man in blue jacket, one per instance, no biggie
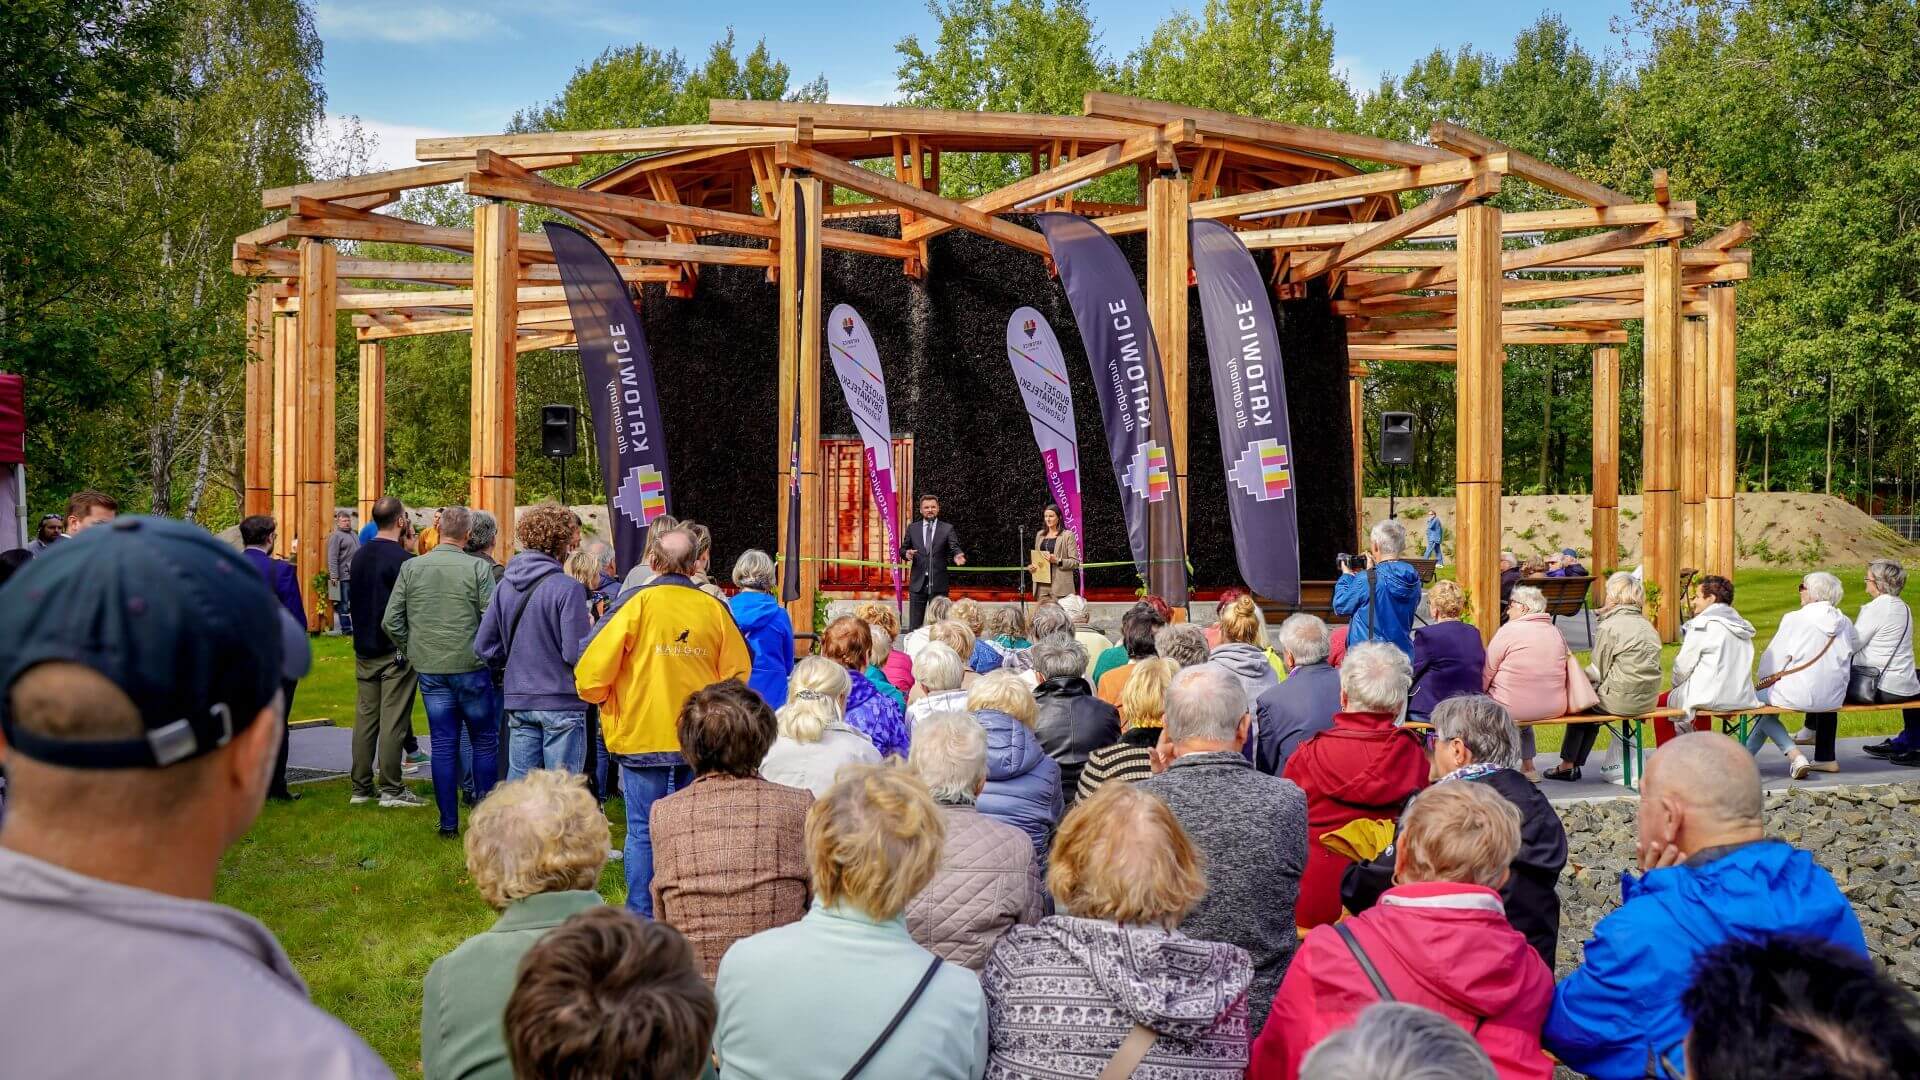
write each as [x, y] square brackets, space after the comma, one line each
[1379, 601]
[1709, 875]
[256, 539]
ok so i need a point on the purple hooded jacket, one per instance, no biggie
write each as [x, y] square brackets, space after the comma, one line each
[547, 641]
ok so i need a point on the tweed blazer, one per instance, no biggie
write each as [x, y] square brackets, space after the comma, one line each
[729, 860]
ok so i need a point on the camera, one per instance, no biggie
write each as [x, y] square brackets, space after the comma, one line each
[1353, 563]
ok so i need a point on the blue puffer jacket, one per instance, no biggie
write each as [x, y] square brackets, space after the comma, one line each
[1388, 614]
[769, 634]
[1619, 1012]
[875, 715]
[1023, 783]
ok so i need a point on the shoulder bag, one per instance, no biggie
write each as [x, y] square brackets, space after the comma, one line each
[1131, 1053]
[1762, 684]
[1373, 973]
[893, 1024]
[1863, 684]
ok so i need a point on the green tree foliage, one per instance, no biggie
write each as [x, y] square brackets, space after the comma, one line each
[1267, 58]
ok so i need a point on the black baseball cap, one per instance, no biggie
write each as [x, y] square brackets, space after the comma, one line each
[179, 621]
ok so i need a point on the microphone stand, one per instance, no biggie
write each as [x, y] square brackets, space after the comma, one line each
[1022, 560]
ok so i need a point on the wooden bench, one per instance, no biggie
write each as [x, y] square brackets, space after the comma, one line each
[1631, 730]
[1427, 568]
[1565, 596]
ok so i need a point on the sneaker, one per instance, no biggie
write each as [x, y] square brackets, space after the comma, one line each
[1798, 767]
[449, 834]
[415, 769]
[1824, 766]
[1889, 749]
[1909, 760]
[1804, 736]
[417, 757]
[404, 798]
[359, 800]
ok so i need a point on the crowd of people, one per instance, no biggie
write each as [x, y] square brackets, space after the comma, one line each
[1000, 845]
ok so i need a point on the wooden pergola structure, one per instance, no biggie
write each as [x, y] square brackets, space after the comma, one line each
[1325, 202]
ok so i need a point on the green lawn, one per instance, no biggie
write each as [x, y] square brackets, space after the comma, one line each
[364, 899]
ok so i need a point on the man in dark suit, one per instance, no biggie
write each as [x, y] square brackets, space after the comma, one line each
[256, 535]
[928, 546]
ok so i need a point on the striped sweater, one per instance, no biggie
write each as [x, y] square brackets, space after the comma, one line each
[1129, 760]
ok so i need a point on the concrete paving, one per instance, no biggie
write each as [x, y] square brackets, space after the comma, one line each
[1856, 767]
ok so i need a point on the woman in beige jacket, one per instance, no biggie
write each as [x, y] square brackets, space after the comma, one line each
[1055, 557]
[1625, 669]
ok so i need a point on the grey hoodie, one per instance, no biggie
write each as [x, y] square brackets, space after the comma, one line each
[109, 980]
[1062, 996]
[1248, 664]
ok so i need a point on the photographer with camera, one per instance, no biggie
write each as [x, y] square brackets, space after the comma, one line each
[1379, 591]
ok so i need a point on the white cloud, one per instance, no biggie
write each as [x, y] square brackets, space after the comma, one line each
[389, 144]
[1361, 76]
[419, 24]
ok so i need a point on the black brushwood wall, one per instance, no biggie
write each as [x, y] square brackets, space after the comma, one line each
[942, 342]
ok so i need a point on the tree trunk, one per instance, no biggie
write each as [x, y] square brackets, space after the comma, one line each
[1546, 428]
[1829, 483]
[199, 482]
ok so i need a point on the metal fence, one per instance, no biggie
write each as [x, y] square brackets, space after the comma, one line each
[1907, 525]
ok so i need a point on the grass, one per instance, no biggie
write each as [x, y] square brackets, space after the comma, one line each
[365, 899]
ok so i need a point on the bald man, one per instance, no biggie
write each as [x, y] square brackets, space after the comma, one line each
[1708, 874]
[666, 640]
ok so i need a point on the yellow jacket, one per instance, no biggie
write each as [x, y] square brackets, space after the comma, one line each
[666, 641]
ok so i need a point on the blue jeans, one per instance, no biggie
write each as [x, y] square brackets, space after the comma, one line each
[456, 703]
[545, 739]
[1433, 550]
[644, 780]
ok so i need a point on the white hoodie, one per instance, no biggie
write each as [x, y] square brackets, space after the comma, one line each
[1716, 655]
[1803, 633]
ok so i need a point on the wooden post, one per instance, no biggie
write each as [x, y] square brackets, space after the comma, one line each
[1606, 467]
[1722, 371]
[258, 470]
[373, 426]
[1168, 260]
[1477, 417]
[286, 431]
[1356, 415]
[1660, 510]
[800, 373]
[318, 287]
[1693, 424]
[496, 273]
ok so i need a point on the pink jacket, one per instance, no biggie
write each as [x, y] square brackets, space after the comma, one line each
[899, 669]
[1527, 668]
[1440, 945]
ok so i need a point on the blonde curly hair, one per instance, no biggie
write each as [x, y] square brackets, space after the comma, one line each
[539, 834]
[969, 611]
[874, 840]
[880, 615]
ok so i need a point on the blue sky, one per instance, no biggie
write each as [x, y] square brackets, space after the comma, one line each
[463, 66]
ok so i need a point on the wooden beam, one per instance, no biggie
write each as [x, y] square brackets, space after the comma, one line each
[1395, 354]
[1295, 136]
[799, 374]
[1168, 262]
[375, 329]
[527, 343]
[373, 428]
[1525, 221]
[316, 402]
[888, 119]
[286, 432]
[1691, 258]
[1477, 418]
[1396, 228]
[1730, 237]
[401, 300]
[496, 263]
[1455, 171]
[1510, 337]
[257, 470]
[620, 140]
[456, 273]
[1660, 441]
[530, 245]
[1722, 481]
[1692, 423]
[1086, 167]
[1606, 467]
[490, 164]
[1552, 177]
[1525, 258]
[892, 191]
[393, 180]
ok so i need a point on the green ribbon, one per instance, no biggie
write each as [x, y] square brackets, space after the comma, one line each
[955, 569]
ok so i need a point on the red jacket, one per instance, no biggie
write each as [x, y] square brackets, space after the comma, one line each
[1361, 767]
[1440, 945]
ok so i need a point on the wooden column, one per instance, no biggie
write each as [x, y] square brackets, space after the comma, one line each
[318, 287]
[1477, 417]
[1606, 467]
[257, 473]
[1356, 415]
[1722, 372]
[1168, 261]
[1660, 444]
[286, 431]
[800, 374]
[1694, 382]
[496, 273]
[373, 426]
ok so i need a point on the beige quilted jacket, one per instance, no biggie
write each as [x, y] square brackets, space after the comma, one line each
[988, 881]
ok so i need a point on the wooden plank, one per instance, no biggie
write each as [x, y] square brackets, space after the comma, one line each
[889, 190]
[286, 431]
[1510, 337]
[455, 273]
[800, 324]
[400, 300]
[1606, 465]
[1730, 237]
[1396, 354]
[315, 456]
[257, 469]
[1088, 166]
[374, 329]
[619, 140]
[1378, 235]
[1455, 171]
[1477, 415]
[893, 120]
[1169, 261]
[373, 428]
[1660, 441]
[527, 343]
[622, 175]
[1525, 221]
[1525, 258]
[1552, 177]
[496, 263]
[1690, 258]
[1273, 132]
[1722, 375]
[530, 245]
[393, 180]
[1694, 384]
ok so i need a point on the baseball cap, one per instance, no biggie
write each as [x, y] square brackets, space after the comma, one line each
[1569, 553]
[179, 621]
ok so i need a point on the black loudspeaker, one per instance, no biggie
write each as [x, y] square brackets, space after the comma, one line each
[1396, 438]
[559, 431]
